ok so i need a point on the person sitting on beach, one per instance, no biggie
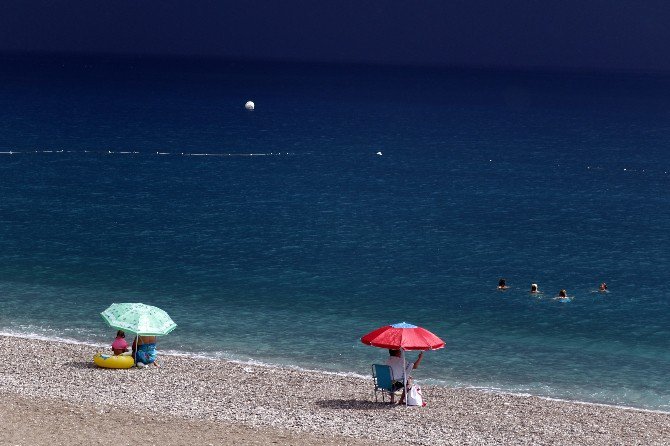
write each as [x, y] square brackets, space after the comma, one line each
[398, 367]
[120, 346]
[144, 350]
[533, 288]
[603, 287]
[502, 284]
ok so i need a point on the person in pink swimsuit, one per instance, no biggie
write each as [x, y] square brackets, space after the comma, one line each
[120, 346]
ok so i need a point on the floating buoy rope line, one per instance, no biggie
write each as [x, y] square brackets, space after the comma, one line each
[24, 152]
[134, 152]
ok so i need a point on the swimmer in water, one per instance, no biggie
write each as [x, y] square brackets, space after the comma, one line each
[533, 289]
[562, 295]
[603, 287]
[502, 284]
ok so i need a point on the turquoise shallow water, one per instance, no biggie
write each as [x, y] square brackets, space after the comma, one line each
[290, 255]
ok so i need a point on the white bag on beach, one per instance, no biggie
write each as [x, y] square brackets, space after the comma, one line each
[414, 397]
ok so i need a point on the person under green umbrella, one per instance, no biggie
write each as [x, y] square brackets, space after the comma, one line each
[146, 321]
[144, 350]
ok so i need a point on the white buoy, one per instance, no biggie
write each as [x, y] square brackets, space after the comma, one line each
[249, 105]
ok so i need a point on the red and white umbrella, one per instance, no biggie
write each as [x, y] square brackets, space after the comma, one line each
[403, 336]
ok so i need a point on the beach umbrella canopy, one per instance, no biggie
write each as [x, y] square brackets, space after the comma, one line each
[403, 336]
[141, 319]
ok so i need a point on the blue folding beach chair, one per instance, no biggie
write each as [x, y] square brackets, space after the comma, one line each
[382, 376]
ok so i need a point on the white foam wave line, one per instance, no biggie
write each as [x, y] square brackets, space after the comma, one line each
[498, 391]
[59, 339]
[255, 362]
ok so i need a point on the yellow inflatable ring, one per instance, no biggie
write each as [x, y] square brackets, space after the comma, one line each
[113, 361]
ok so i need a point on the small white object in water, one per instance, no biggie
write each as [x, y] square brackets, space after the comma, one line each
[379, 153]
[249, 105]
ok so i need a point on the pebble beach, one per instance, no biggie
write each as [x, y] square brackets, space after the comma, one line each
[53, 394]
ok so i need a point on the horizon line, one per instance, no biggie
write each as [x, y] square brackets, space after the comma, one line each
[197, 58]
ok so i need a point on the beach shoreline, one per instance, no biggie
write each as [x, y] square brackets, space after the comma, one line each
[351, 374]
[220, 401]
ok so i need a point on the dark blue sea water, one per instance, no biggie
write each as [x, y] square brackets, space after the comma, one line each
[280, 236]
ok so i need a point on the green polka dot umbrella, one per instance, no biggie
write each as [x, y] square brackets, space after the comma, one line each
[141, 319]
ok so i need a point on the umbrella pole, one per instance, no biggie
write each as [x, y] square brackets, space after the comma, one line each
[137, 339]
[404, 374]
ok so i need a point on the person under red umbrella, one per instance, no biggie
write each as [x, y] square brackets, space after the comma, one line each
[400, 368]
[401, 337]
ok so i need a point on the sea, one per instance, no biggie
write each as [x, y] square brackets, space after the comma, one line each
[350, 198]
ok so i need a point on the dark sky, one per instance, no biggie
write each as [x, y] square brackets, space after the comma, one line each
[618, 35]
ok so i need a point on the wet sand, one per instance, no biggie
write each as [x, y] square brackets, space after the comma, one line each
[53, 394]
